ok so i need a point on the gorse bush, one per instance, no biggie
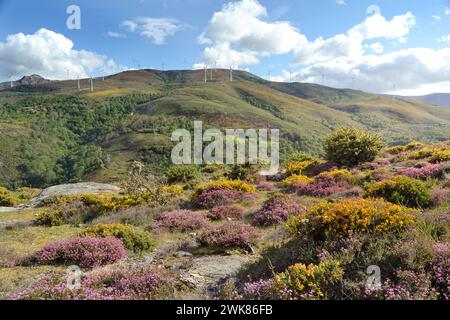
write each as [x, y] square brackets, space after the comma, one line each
[134, 239]
[276, 210]
[7, 198]
[182, 173]
[297, 167]
[351, 146]
[401, 190]
[244, 172]
[352, 216]
[84, 252]
[129, 284]
[228, 236]
[309, 282]
[180, 220]
[297, 179]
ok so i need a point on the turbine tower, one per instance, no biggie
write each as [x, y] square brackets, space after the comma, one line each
[92, 84]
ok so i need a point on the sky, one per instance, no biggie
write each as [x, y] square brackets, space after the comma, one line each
[379, 46]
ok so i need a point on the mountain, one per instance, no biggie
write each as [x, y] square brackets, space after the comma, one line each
[26, 83]
[54, 133]
[438, 99]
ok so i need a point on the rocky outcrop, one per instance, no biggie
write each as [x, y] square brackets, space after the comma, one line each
[76, 188]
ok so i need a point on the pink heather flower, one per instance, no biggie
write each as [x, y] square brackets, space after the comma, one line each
[322, 186]
[213, 197]
[229, 235]
[225, 212]
[180, 220]
[84, 252]
[276, 210]
[428, 171]
[440, 196]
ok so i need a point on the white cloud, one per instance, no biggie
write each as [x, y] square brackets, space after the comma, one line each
[447, 11]
[156, 29]
[50, 55]
[437, 18]
[444, 39]
[341, 2]
[113, 34]
[377, 47]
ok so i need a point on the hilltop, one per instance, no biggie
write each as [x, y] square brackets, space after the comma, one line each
[54, 133]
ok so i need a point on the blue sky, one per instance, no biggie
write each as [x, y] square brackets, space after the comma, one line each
[399, 44]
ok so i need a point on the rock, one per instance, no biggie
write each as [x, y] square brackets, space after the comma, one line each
[8, 209]
[182, 254]
[76, 188]
[208, 271]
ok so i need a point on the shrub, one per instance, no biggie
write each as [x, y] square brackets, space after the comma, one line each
[260, 290]
[7, 198]
[226, 212]
[427, 171]
[245, 172]
[234, 185]
[300, 156]
[133, 238]
[304, 282]
[350, 146]
[180, 220]
[401, 190]
[352, 216]
[130, 284]
[440, 196]
[322, 186]
[297, 167]
[84, 252]
[265, 186]
[215, 197]
[276, 210]
[229, 235]
[297, 179]
[440, 156]
[182, 173]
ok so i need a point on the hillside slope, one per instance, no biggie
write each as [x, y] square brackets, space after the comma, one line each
[54, 133]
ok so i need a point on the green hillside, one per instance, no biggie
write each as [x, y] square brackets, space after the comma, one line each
[53, 133]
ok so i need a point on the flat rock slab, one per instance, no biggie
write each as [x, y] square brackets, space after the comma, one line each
[76, 188]
[206, 272]
[8, 209]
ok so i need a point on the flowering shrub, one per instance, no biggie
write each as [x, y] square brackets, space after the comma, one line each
[376, 164]
[408, 285]
[304, 282]
[440, 156]
[297, 179]
[401, 190]
[276, 210]
[352, 216]
[351, 146]
[297, 167]
[220, 192]
[427, 171]
[182, 173]
[440, 196]
[180, 220]
[437, 154]
[7, 198]
[216, 197]
[225, 212]
[84, 252]
[322, 186]
[440, 269]
[130, 284]
[259, 290]
[229, 235]
[133, 239]
[265, 186]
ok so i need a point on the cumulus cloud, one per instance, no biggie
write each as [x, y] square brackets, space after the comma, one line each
[447, 11]
[50, 55]
[113, 34]
[444, 39]
[341, 2]
[155, 29]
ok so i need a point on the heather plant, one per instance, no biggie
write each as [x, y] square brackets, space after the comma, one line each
[276, 210]
[260, 290]
[425, 172]
[229, 235]
[180, 220]
[351, 146]
[226, 212]
[401, 190]
[322, 186]
[134, 239]
[117, 284]
[309, 282]
[86, 252]
[213, 197]
[440, 196]
[352, 216]
[440, 269]
[265, 186]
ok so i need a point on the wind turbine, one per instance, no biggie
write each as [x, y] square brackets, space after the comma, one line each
[78, 81]
[206, 73]
[92, 84]
[231, 70]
